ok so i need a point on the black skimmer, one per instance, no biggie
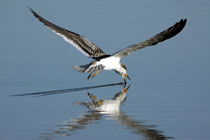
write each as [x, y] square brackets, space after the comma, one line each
[108, 106]
[103, 61]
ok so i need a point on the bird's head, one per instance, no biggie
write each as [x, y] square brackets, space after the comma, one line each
[124, 72]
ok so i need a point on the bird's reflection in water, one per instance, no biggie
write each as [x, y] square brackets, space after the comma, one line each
[109, 108]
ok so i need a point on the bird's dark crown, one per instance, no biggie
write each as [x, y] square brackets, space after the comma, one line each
[122, 65]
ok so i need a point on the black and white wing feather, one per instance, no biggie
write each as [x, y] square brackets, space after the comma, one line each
[164, 35]
[81, 43]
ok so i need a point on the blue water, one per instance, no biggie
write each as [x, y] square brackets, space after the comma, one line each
[168, 96]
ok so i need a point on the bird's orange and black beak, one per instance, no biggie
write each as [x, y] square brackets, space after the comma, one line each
[126, 75]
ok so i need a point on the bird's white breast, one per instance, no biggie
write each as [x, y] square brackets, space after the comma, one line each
[109, 106]
[110, 63]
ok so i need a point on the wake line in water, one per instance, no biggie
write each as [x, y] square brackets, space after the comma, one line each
[52, 92]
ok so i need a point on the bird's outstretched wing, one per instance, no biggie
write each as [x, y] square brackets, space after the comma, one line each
[81, 43]
[164, 35]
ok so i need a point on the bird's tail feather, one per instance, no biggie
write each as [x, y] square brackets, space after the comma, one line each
[81, 68]
[88, 68]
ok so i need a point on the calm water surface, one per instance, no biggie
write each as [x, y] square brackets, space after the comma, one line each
[168, 97]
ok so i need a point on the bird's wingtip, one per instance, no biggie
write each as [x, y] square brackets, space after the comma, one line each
[30, 9]
[184, 20]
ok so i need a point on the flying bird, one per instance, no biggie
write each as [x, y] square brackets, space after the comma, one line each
[102, 60]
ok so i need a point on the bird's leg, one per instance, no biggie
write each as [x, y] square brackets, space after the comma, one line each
[95, 101]
[92, 97]
[90, 75]
[96, 73]
[93, 75]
